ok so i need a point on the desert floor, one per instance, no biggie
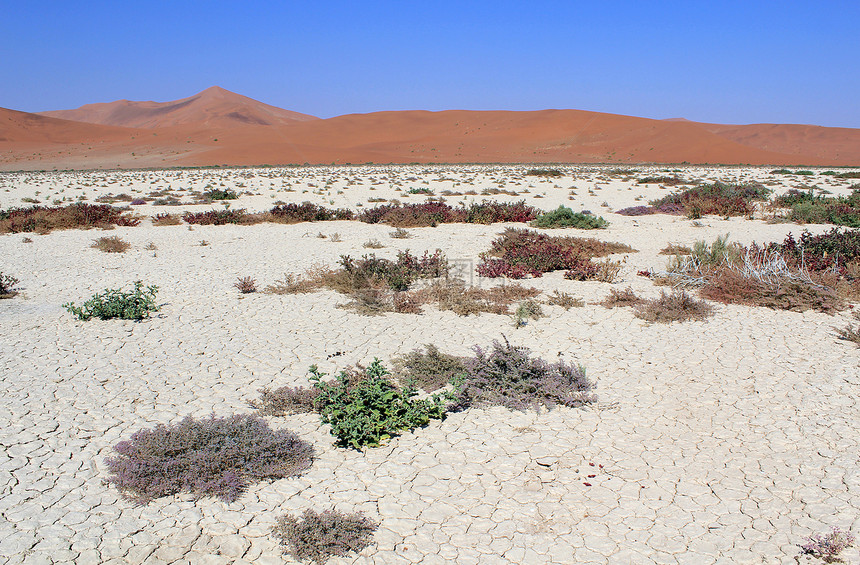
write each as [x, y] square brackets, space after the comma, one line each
[729, 440]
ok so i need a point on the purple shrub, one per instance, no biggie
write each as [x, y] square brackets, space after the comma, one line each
[215, 217]
[213, 456]
[308, 212]
[636, 211]
[434, 212]
[138, 202]
[828, 546]
[508, 376]
[316, 536]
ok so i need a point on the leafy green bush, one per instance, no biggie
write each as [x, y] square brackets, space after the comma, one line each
[551, 173]
[220, 194]
[114, 303]
[316, 536]
[366, 408]
[564, 217]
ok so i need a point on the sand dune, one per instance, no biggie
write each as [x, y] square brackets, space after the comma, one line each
[214, 107]
[218, 127]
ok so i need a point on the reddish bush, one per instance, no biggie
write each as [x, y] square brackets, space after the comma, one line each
[44, 219]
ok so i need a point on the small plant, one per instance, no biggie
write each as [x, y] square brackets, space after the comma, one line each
[430, 370]
[317, 536]
[111, 244]
[372, 244]
[246, 285]
[151, 246]
[209, 457]
[114, 303]
[421, 190]
[527, 310]
[508, 376]
[365, 408]
[335, 238]
[204, 243]
[563, 299]
[828, 546]
[563, 217]
[675, 307]
[400, 233]
[7, 286]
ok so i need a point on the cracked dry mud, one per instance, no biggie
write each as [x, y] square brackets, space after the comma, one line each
[729, 440]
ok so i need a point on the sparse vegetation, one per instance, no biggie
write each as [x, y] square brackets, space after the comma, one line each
[220, 194]
[209, 457]
[527, 310]
[551, 173]
[828, 547]
[317, 536]
[114, 303]
[400, 233]
[165, 219]
[718, 199]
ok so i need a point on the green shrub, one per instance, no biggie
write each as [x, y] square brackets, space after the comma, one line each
[7, 286]
[550, 173]
[564, 217]
[317, 536]
[220, 194]
[366, 408]
[114, 303]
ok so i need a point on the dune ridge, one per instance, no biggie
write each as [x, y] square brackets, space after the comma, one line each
[219, 127]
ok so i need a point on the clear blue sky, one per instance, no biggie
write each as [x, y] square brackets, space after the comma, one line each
[718, 61]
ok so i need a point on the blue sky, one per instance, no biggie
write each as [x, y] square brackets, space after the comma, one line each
[717, 61]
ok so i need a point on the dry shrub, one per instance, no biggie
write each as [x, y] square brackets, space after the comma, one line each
[42, 219]
[453, 294]
[313, 279]
[731, 287]
[285, 400]
[166, 220]
[400, 233]
[624, 297]
[430, 370]
[675, 249]
[318, 536]
[563, 299]
[675, 307]
[112, 244]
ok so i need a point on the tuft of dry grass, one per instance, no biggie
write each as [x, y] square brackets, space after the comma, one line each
[246, 285]
[372, 244]
[429, 370]
[676, 249]
[563, 299]
[400, 233]
[112, 244]
[675, 307]
[453, 294]
[849, 332]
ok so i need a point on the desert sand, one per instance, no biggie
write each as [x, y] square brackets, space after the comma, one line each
[728, 440]
[218, 127]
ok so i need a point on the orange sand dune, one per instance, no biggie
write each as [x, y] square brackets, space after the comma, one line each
[214, 107]
[217, 127]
